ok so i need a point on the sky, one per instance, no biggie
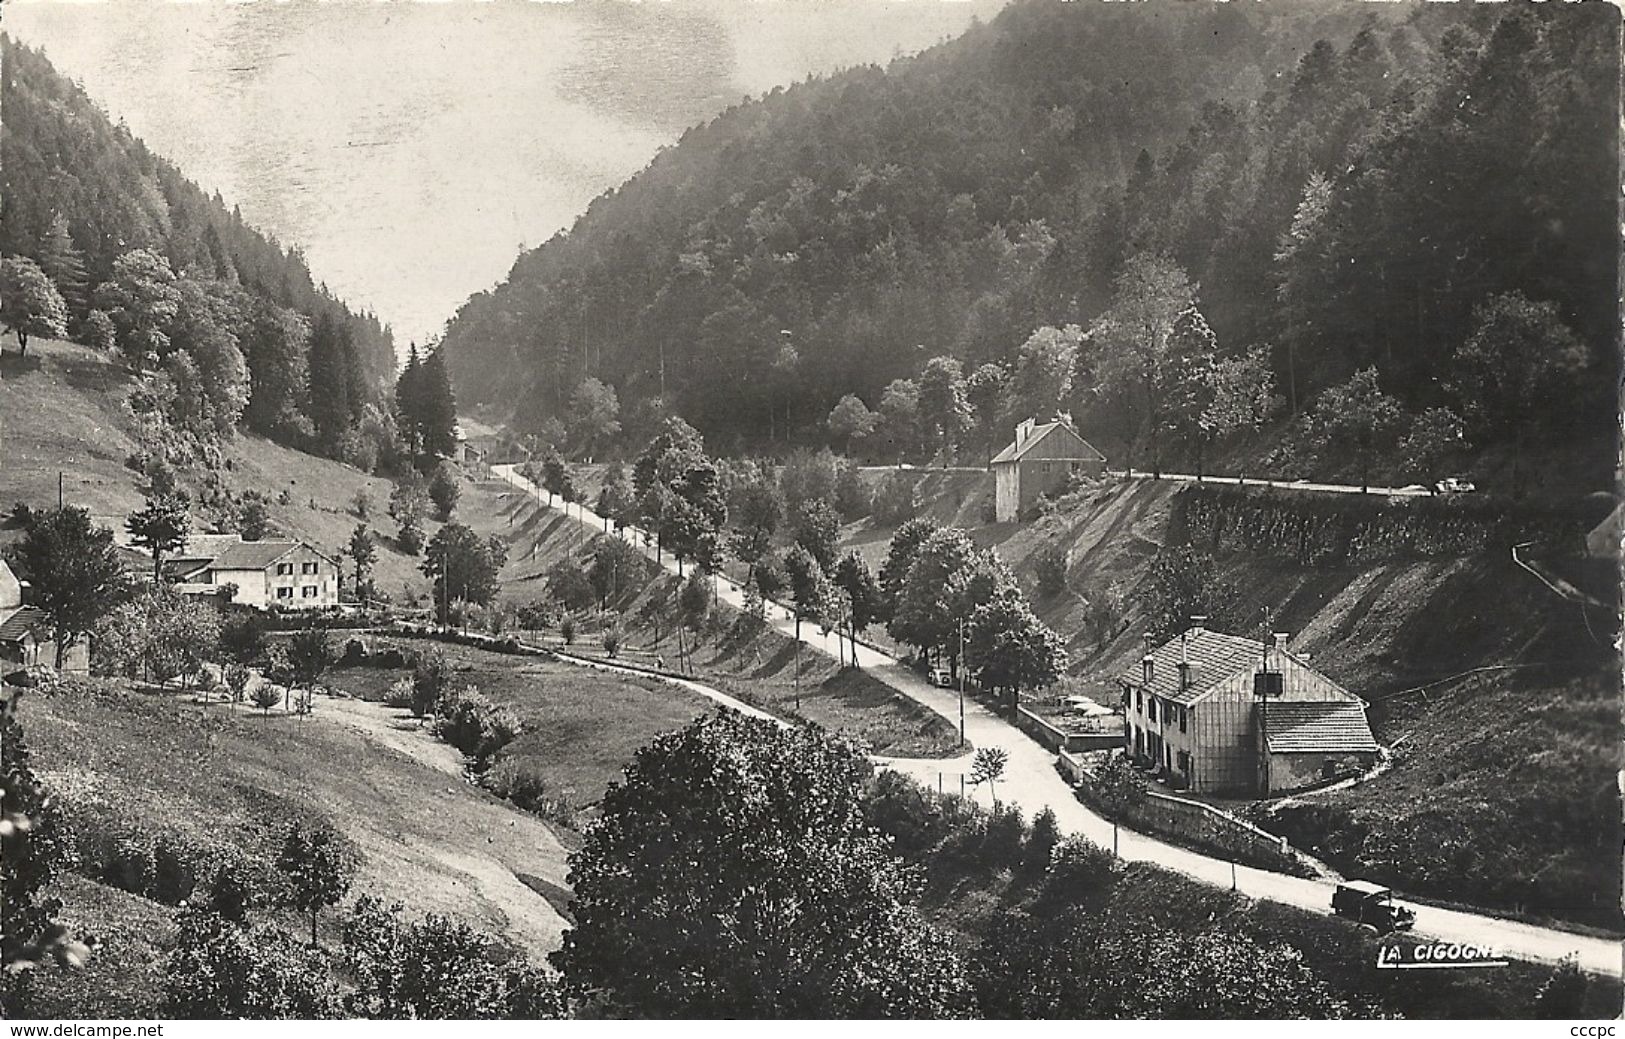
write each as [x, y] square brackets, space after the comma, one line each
[411, 148]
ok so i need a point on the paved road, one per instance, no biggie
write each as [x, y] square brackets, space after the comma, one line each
[1285, 485]
[1414, 491]
[1032, 783]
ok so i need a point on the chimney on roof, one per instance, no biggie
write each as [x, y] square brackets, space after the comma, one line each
[1024, 431]
[1148, 663]
[1198, 621]
[1188, 672]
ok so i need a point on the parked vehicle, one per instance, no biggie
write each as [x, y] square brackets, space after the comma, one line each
[1454, 485]
[939, 676]
[1371, 904]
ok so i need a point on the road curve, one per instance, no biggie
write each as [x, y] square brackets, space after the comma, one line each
[1032, 783]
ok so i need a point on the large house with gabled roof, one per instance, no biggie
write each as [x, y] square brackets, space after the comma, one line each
[1223, 714]
[274, 572]
[1040, 459]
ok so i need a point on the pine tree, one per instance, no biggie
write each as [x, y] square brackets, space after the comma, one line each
[329, 381]
[408, 394]
[65, 265]
[437, 408]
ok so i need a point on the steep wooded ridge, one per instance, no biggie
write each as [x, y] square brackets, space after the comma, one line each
[1345, 188]
[136, 250]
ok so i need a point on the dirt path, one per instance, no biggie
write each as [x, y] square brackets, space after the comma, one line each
[469, 864]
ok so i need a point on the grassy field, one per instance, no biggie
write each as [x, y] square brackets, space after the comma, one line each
[580, 726]
[758, 667]
[62, 408]
[225, 783]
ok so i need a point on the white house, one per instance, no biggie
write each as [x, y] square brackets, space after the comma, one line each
[274, 572]
[1040, 459]
[1229, 715]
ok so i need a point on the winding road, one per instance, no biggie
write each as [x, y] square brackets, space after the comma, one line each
[1031, 782]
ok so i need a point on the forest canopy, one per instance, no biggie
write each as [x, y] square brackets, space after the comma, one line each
[1337, 189]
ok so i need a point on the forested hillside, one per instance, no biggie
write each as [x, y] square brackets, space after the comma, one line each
[1411, 206]
[138, 259]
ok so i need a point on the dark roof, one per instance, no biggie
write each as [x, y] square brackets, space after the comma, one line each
[1014, 451]
[1318, 727]
[16, 626]
[252, 555]
[1217, 656]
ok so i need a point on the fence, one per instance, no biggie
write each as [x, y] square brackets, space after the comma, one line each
[1192, 823]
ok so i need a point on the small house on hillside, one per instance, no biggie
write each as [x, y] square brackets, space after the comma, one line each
[1224, 714]
[1040, 459]
[26, 635]
[280, 572]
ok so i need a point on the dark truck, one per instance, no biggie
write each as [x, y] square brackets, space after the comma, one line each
[1371, 904]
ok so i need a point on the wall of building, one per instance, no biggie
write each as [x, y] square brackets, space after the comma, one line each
[1221, 734]
[31, 652]
[1006, 493]
[252, 587]
[1289, 772]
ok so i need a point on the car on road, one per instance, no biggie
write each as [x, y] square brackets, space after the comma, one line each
[1371, 904]
[939, 676]
[1454, 485]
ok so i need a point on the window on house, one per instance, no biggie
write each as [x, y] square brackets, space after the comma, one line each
[1182, 714]
[1139, 701]
[308, 591]
[307, 568]
[284, 593]
[1151, 711]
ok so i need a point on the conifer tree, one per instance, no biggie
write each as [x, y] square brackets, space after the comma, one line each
[329, 381]
[64, 264]
[437, 408]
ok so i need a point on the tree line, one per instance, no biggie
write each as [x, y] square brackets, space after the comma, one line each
[1403, 202]
[112, 246]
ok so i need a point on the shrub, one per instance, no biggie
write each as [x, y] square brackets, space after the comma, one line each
[474, 725]
[410, 539]
[400, 695]
[229, 894]
[1050, 565]
[221, 970]
[443, 491]
[612, 641]
[851, 499]
[237, 678]
[174, 872]
[567, 629]
[265, 697]
[130, 866]
[430, 680]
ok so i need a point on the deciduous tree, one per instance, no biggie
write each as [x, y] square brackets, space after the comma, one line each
[319, 866]
[733, 875]
[75, 573]
[30, 304]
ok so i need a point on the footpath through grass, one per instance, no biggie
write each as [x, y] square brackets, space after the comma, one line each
[160, 791]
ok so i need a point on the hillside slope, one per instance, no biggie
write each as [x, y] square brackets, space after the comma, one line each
[133, 771]
[62, 411]
[1341, 187]
[1501, 791]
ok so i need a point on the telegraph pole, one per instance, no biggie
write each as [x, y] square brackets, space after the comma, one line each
[961, 682]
